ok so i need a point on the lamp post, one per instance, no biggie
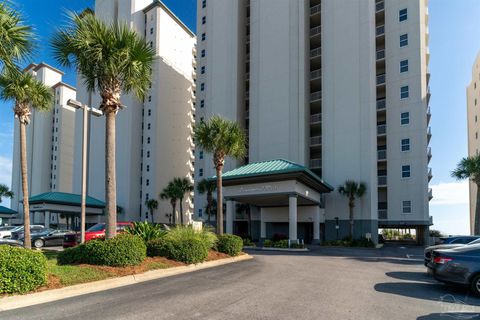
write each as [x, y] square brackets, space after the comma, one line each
[97, 113]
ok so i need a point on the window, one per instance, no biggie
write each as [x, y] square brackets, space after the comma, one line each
[403, 66]
[149, 112]
[204, 3]
[200, 212]
[201, 155]
[202, 87]
[202, 103]
[149, 98]
[149, 126]
[151, 30]
[405, 118]
[404, 40]
[204, 20]
[202, 70]
[147, 182]
[403, 15]
[147, 196]
[203, 53]
[148, 140]
[404, 92]
[151, 44]
[204, 36]
[407, 207]
[201, 119]
[406, 171]
[148, 154]
[148, 168]
[200, 172]
[405, 145]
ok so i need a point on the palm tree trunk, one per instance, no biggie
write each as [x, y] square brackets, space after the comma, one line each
[351, 205]
[27, 243]
[110, 179]
[151, 214]
[181, 211]
[209, 207]
[476, 228]
[219, 201]
[174, 216]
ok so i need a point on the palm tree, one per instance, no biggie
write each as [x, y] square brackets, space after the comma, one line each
[208, 187]
[113, 60]
[352, 190]
[469, 168]
[27, 92]
[222, 138]
[152, 205]
[5, 192]
[183, 185]
[16, 39]
[171, 192]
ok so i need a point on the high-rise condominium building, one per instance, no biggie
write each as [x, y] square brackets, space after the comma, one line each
[153, 137]
[50, 144]
[473, 102]
[340, 87]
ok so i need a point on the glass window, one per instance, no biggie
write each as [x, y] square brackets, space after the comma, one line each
[202, 87]
[407, 206]
[404, 92]
[406, 171]
[148, 140]
[148, 182]
[403, 15]
[404, 40]
[204, 20]
[149, 112]
[202, 70]
[201, 155]
[151, 30]
[200, 172]
[403, 66]
[202, 103]
[148, 168]
[204, 3]
[203, 53]
[204, 36]
[149, 98]
[200, 212]
[405, 145]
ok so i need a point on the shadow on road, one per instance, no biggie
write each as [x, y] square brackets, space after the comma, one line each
[451, 315]
[411, 276]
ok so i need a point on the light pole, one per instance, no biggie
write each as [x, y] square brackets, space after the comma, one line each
[97, 113]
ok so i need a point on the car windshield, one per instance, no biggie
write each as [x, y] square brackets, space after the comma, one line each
[474, 242]
[97, 227]
[19, 228]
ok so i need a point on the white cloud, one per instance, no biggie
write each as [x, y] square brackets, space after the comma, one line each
[450, 193]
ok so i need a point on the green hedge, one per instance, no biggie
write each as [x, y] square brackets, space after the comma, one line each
[191, 250]
[230, 244]
[123, 250]
[21, 270]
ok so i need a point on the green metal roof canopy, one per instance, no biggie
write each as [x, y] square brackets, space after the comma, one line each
[5, 210]
[278, 169]
[66, 199]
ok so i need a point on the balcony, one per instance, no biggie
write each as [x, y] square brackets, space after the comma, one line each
[315, 163]
[382, 214]
[429, 153]
[315, 31]
[381, 129]
[380, 31]
[315, 75]
[381, 79]
[382, 181]
[381, 104]
[381, 155]
[380, 55]
[430, 194]
[316, 96]
[429, 134]
[315, 9]
[429, 115]
[429, 95]
[430, 174]
[316, 141]
[379, 6]
[316, 118]
[315, 53]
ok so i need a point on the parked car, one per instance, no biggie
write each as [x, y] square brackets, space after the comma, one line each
[6, 232]
[17, 234]
[458, 266]
[95, 232]
[10, 242]
[427, 253]
[48, 238]
[457, 239]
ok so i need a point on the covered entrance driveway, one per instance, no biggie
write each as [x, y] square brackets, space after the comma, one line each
[283, 192]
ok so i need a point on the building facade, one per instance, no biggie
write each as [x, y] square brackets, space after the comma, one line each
[154, 137]
[473, 100]
[348, 105]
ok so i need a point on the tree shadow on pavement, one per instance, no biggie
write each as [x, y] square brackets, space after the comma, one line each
[452, 315]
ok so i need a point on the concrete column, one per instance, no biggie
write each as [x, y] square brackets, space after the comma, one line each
[316, 225]
[292, 217]
[263, 226]
[47, 219]
[229, 217]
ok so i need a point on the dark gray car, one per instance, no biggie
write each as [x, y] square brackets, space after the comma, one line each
[427, 253]
[458, 266]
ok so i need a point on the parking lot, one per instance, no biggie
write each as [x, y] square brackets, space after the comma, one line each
[326, 283]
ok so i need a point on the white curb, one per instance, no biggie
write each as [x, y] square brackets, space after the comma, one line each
[20, 301]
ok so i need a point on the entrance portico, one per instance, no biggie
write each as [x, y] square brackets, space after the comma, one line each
[284, 192]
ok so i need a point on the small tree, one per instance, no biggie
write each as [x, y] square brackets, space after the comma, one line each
[469, 168]
[152, 205]
[208, 187]
[352, 190]
[5, 192]
[222, 138]
[183, 185]
[171, 192]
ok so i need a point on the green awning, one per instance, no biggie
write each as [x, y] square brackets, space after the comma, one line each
[5, 210]
[69, 199]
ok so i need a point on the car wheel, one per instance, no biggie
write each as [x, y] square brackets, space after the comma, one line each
[475, 285]
[38, 243]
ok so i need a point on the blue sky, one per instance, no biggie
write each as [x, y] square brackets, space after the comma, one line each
[454, 43]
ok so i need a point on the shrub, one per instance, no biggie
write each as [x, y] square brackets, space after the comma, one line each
[146, 230]
[267, 243]
[123, 250]
[281, 244]
[189, 251]
[230, 244]
[297, 246]
[247, 242]
[435, 233]
[187, 232]
[21, 270]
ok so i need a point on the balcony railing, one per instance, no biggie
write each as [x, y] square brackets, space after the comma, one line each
[379, 6]
[382, 129]
[381, 79]
[380, 30]
[315, 31]
[430, 174]
[315, 9]
[429, 114]
[315, 163]
[380, 54]
[317, 74]
[381, 104]
[316, 141]
[316, 118]
[316, 96]
[382, 214]
[381, 154]
[315, 52]
[382, 180]
[430, 194]
[429, 153]
[429, 134]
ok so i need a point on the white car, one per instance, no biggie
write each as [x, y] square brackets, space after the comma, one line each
[6, 232]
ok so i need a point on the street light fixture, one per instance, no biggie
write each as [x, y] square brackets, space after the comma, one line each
[97, 113]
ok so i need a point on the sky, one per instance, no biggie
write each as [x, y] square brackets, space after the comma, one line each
[454, 43]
